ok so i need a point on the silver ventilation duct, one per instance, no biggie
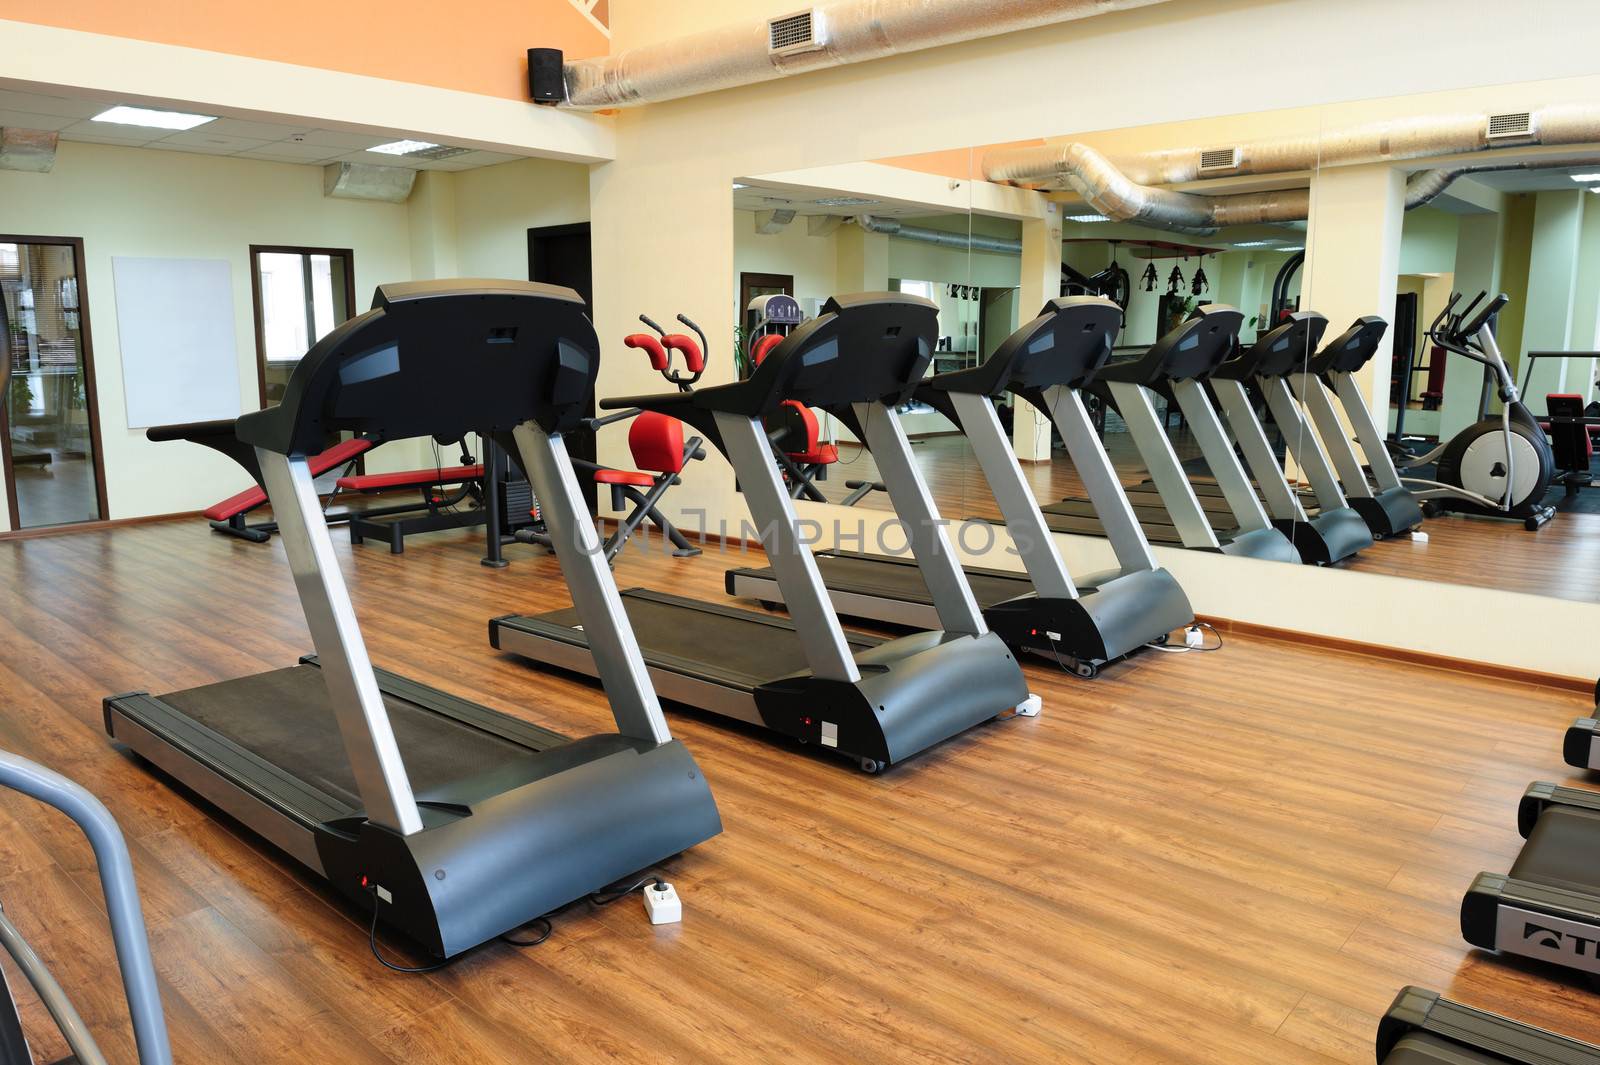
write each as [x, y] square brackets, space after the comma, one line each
[32, 150]
[942, 237]
[362, 181]
[1425, 185]
[827, 35]
[1123, 189]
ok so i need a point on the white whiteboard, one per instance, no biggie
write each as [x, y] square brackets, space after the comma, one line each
[175, 326]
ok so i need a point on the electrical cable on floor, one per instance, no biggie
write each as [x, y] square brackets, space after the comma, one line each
[372, 940]
[1185, 648]
[604, 897]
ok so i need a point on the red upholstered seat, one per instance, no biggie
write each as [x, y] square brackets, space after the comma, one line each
[373, 482]
[637, 477]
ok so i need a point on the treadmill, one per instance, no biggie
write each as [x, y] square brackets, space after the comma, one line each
[1421, 1028]
[1383, 502]
[457, 823]
[1548, 906]
[1084, 623]
[877, 701]
[1329, 531]
[1174, 512]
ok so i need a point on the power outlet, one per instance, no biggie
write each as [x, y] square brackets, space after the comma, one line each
[662, 905]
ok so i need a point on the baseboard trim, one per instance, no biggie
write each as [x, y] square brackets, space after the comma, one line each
[97, 526]
[1400, 654]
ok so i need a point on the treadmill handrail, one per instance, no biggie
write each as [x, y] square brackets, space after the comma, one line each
[122, 907]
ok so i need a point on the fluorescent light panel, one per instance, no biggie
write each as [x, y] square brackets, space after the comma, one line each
[402, 147]
[1253, 244]
[1585, 178]
[1087, 218]
[123, 115]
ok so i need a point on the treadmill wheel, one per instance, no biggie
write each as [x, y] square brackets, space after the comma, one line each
[871, 765]
[1166, 637]
[1086, 670]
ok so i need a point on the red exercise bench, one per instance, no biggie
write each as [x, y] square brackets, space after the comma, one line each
[228, 516]
[435, 512]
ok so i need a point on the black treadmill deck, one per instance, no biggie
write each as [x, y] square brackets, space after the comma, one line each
[733, 648]
[899, 578]
[245, 730]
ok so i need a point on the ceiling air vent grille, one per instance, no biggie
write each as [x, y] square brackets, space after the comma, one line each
[788, 34]
[1513, 125]
[1213, 160]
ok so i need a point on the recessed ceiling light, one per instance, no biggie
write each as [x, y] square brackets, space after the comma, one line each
[1291, 247]
[1252, 244]
[1087, 218]
[124, 115]
[844, 201]
[1585, 178]
[402, 147]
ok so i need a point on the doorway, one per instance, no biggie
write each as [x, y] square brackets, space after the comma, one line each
[561, 255]
[51, 437]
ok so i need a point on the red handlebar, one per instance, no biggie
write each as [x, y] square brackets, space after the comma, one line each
[652, 349]
[764, 346]
[693, 358]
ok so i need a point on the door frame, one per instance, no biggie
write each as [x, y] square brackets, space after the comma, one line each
[91, 394]
[749, 279]
[349, 257]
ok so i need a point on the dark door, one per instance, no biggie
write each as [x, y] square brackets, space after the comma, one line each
[1403, 365]
[560, 255]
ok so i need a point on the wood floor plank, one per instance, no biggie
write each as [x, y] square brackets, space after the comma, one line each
[1193, 858]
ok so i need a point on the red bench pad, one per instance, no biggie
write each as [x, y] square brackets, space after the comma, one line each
[635, 477]
[374, 482]
[320, 463]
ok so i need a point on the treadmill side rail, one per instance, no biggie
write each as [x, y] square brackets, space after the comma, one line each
[908, 492]
[357, 704]
[1419, 1011]
[581, 556]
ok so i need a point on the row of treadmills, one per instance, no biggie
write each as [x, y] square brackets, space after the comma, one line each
[455, 823]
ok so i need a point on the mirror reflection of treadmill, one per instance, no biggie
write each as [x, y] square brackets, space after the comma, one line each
[1078, 623]
[1168, 507]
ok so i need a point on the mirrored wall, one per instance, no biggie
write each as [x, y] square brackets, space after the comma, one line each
[1332, 430]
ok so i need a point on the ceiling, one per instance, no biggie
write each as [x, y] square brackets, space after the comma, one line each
[1535, 180]
[803, 201]
[252, 139]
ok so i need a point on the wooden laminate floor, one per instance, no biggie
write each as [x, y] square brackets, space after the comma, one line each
[1560, 560]
[1234, 857]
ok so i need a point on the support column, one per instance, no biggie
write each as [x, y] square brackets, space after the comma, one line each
[1477, 270]
[862, 260]
[1041, 281]
[1353, 260]
[1552, 282]
[432, 214]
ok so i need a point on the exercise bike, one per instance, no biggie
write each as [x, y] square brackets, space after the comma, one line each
[1499, 467]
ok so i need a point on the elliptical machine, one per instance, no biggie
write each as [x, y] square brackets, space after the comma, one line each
[1499, 467]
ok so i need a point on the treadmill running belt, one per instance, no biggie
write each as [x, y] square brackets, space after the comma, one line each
[1560, 850]
[1423, 1048]
[738, 648]
[893, 578]
[284, 717]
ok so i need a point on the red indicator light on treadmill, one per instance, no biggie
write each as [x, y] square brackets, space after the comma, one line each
[363, 881]
[805, 721]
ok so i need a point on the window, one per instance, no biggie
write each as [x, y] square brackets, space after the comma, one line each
[300, 294]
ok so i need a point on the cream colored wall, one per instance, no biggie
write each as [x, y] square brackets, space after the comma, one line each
[160, 204]
[496, 206]
[667, 194]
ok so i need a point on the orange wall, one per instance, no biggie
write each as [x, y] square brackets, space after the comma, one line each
[476, 47]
